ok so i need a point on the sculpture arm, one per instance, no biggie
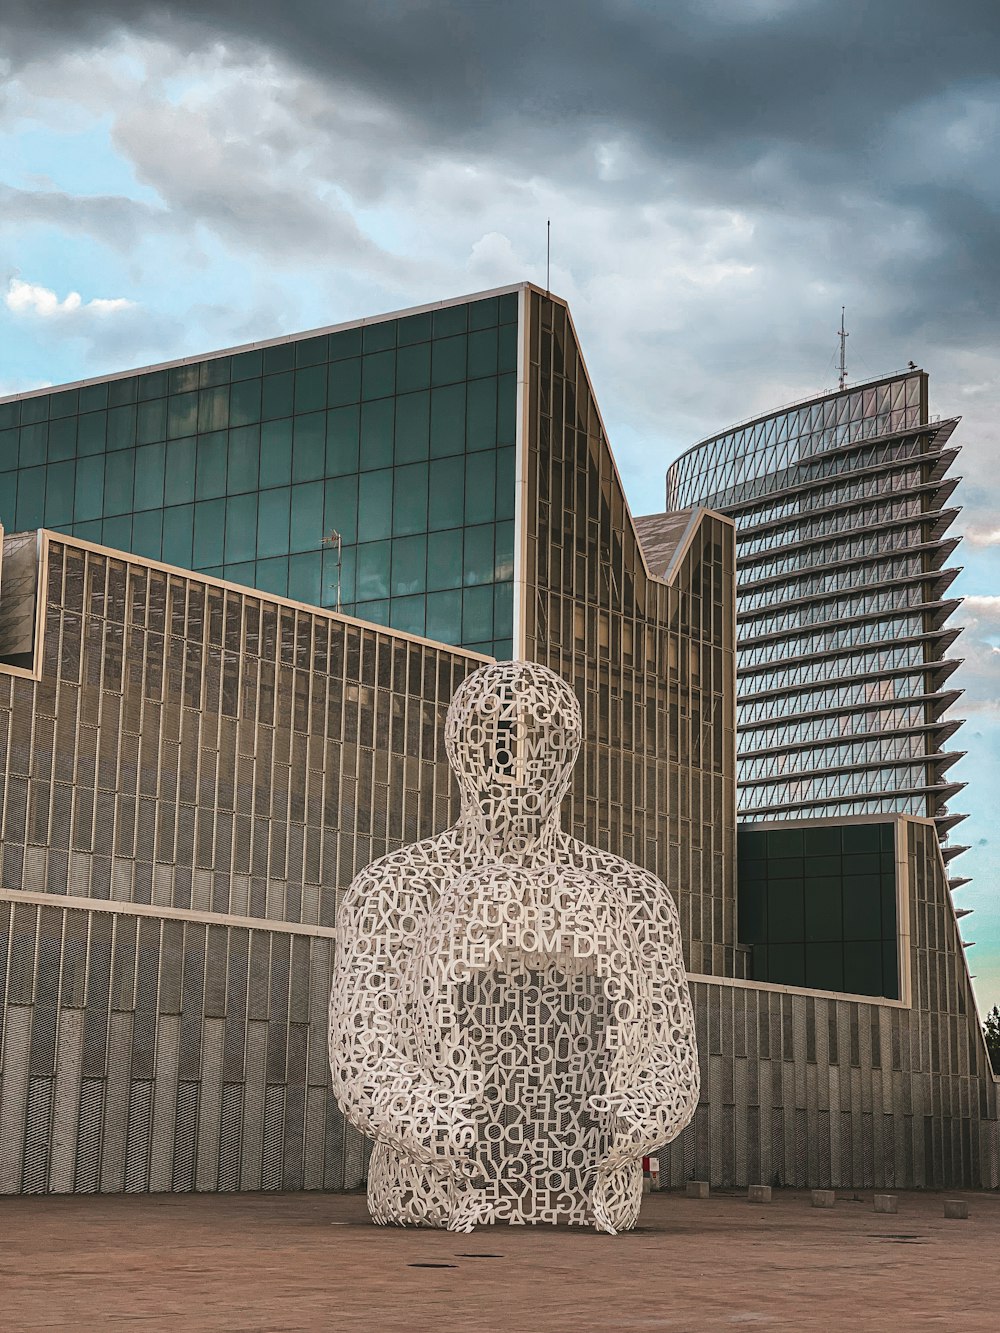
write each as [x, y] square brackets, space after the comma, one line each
[654, 1085]
[379, 1087]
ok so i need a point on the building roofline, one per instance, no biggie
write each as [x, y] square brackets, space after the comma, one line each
[797, 403]
[272, 342]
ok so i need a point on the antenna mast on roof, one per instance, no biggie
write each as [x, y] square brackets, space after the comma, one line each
[843, 335]
[334, 540]
[548, 253]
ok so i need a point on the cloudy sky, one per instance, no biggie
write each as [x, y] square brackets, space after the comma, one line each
[721, 175]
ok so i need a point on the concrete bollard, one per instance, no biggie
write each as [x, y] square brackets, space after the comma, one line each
[697, 1189]
[885, 1203]
[956, 1208]
[823, 1198]
[759, 1194]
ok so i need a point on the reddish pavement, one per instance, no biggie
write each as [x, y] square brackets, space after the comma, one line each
[313, 1261]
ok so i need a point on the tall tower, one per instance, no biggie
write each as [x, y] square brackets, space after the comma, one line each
[842, 508]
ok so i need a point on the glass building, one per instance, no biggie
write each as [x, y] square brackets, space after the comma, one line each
[842, 507]
[396, 433]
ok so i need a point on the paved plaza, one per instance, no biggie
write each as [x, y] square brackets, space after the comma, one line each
[314, 1261]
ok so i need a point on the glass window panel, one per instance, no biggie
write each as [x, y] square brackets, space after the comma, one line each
[447, 420]
[241, 528]
[450, 320]
[448, 360]
[504, 557]
[279, 356]
[375, 505]
[8, 499]
[413, 368]
[273, 509]
[414, 329]
[376, 434]
[275, 453]
[310, 389]
[305, 573]
[244, 458]
[147, 534]
[785, 910]
[481, 415]
[477, 615]
[378, 336]
[10, 415]
[216, 370]
[378, 375]
[94, 397]
[121, 427]
[117, 532]
[181, 379]
[506, 410]
[182, 415]
[34, 443]
[9, 449]
[413, 419]
[212, 451]
[447, 493]
[153, 384]
[247, 365]
[149, 476]
[209, 527]
[307, 517]
[480, 474]
[503, 649]
[30, 499]
[343, 381]
[444, 559]
[444, 616]
[89, 501]
[92, 433]
[341, 508]
[178, 482]
[119, 478]
[272, 576]
[409, 566]
[244, 404]
[311, 351]
[346, 343]
[121, 391]
[409, 503]
[62, 440]
[91, 531]
[478, 558]
[178, 535]
[508, 308]
[507, 351]
[342, 440]
[276, 400]
[407, 614]
[377, 612]
[213, 409]
[484, 314]
[309, 447]
[863, 968]
[243, 574]
[59, 487]
[373, 560]
[483, 353]
[503, 611]
[152, 422]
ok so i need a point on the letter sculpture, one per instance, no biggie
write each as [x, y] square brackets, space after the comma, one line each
[510, 1018]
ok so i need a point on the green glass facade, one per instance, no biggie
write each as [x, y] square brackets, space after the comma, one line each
[398, 434]
[817, 907]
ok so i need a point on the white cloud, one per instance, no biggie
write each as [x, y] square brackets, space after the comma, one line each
[982, 536]
[29, 298]
[979, 605]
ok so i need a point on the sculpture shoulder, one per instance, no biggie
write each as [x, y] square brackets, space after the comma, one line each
[592, 860]
[419, 864]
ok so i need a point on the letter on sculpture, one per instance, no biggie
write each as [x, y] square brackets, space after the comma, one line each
[510, 1019]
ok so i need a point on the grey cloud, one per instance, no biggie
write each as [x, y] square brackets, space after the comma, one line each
[113, 219]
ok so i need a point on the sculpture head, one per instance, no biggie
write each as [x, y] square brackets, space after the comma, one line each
[512, 735]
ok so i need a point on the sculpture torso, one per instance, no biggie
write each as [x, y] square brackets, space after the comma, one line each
[510, 1019]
